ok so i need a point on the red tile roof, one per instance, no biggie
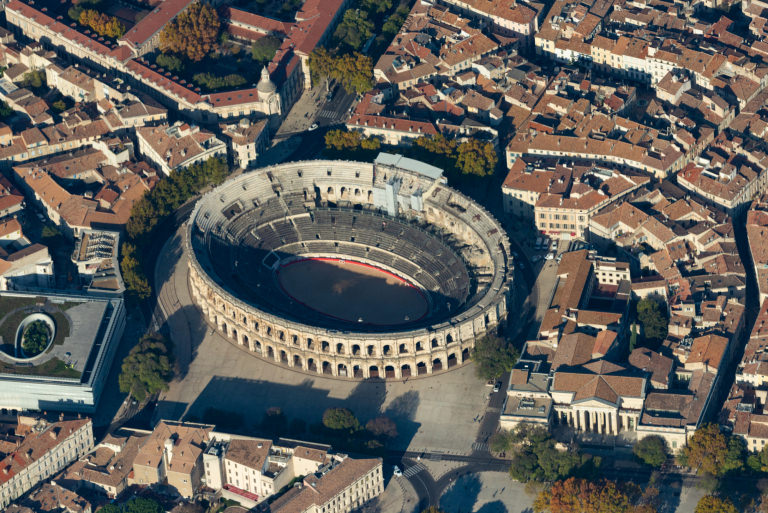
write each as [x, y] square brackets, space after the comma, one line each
[155, 21]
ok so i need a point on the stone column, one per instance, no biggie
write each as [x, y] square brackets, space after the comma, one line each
[614, 423]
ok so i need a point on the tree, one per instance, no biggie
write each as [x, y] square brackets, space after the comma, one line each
[194, 32]
[321, 65]
[213, 82]
[355, 72]
[35, 338]
[5, 110]
[475, 157]
[536, 457]
[713, 504]
[712, 452]
[133, 276]
[59, 106]
[633, 338]
[354, 30]
[651, 450]
[340, 419]
[586, 496]
[169, 62]
[501, 441]
[102, 24]
[759, 461]
[382, 427]
[343, 140]
[264, 49]
[34, 79]
[147, 368]
[653, 319]
[493, 357]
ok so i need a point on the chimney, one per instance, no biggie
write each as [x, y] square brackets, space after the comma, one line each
[168, 451]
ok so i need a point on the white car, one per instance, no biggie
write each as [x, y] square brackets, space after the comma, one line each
[550, 256]
[313, 127]
[396, 471]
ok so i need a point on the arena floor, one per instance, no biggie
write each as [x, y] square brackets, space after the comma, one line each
[352, 291]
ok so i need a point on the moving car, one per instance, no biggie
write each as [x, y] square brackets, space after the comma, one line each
[396, 471]
[313, 127]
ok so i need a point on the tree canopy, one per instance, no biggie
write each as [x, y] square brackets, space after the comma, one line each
[5, 110]
[652, 314]
[354, 71]
[135, 505]
[536, 458]
[340, 419]
[382, 427]
[194, 32]
[354, 29]
[147, 368]
[714, 504]
[264, 49]
[493, 357]
[475, 157]
[589, 496]
[712, 452]
[169, 62]
[100, 23]
[35, 338]
[214, 82]
[651, 450]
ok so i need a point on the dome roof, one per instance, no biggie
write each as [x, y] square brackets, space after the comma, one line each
[266, 85]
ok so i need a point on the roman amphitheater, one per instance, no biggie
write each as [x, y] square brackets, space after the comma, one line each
[349, 269]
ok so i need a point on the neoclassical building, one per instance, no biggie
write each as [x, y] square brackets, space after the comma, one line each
[395, 216]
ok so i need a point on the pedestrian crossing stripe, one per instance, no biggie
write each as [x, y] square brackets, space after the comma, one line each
[413, 470]
[477, 446]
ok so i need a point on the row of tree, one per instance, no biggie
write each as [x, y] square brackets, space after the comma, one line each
[102, 24]
[575, 495]
[214, 82]
[168, 195]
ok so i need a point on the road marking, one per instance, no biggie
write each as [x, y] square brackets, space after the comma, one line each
[415, 469]
[478, 446]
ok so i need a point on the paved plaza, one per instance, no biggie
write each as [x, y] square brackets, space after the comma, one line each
[439, 414]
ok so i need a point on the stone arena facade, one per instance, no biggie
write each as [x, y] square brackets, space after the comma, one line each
[395, 214]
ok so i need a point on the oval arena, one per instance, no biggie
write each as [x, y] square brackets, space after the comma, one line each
[349, 269]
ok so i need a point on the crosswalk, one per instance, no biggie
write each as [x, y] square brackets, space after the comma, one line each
[480, 446]
[413, 470]
[330, 114]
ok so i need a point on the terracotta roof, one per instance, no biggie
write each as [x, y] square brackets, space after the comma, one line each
[162, 13]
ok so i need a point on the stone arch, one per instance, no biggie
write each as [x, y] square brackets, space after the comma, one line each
[435, 343]
[297, 362]
[402, 349]
[405, 370]
[448, 339]
[421, 368]
[437, 364]
[311, 365]
[371, 350]
[234, 335]
[270, 352]
[386, 350]
[357, 372]
[389, 372]
[310, 344]
[283, 357]
[465, 354]
[325, 346]
[340, 348]
[225, 329]
[373, 371]
[419, 346]
[341, 370]
[356, 350]
[452, 361]
[257, 346]
[246, 340]
[327, 368]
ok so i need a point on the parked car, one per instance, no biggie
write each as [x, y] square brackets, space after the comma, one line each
[396, 471]
[497, 386]
[550, 256]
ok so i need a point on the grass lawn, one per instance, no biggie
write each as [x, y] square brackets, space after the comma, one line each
[53, 367]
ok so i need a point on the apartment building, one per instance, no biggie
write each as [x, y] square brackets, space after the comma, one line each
[44, 448]
[173, 454]
[178, 146]
[247, 140]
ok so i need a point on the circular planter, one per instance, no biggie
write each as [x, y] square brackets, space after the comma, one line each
[35, 317]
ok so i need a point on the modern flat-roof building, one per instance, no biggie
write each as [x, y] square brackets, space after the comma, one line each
[70, 373]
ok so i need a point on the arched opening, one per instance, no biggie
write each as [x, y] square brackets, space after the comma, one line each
[283, 357]
[340, 348]
[255, 325]
[434, 343]
[465, 355]
[225, 329]
[325, 346]
[437, 364]
[355, 350]
[389, 371]
[357, 192]
[342, 370]
[357, 371]
[310, 344]
[405, 371]
[329, 191]
[245, 340]
[452, 362]
[327, 368]
[373, 371]
[387, 350]
[421, 368]
[371, 350]
[297, 361]
[311, 365]
[449, 339]
[295, 340]
[402, 349]
[270, 352]
[419, 346]
[343, 193]
[257, 347]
